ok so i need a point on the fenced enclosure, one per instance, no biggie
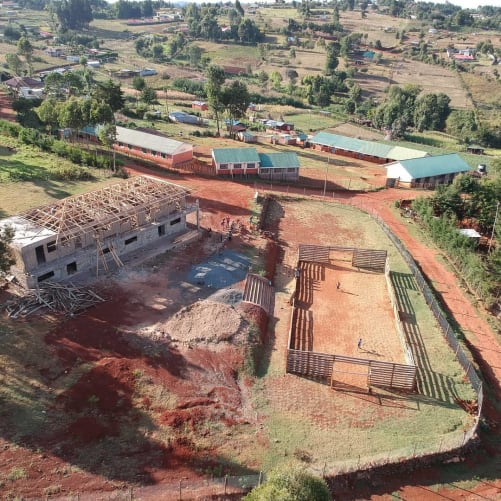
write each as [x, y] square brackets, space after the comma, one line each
[326, 367]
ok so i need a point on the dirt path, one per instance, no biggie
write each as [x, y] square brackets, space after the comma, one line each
[479, 336]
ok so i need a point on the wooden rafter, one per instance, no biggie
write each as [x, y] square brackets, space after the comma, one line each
[97, 210]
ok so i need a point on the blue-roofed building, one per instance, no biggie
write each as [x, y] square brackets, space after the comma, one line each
[427, 172]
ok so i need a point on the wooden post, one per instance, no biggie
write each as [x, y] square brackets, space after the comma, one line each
[225, 483]
[180, 487]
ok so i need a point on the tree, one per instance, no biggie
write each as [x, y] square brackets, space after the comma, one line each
[431, 111]
[239, 8]
[195, 55]
[138, 82]
[236, 100]
[263, 78]
[276, 79]
[73, 14]
[6, 257]
[157, 52]
[14, 63]
[213, 88]
[71, 116]
[48, 112]
[332, 61]
[108, 136]
[248, 32]
[290, 484]
[397, 112]
[110, 93]
[25, 49]
[149, 95]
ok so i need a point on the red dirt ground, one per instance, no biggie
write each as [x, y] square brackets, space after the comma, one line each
[320, 297]
[95, 337]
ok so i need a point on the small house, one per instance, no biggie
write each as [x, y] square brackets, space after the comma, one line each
[185, 118]
[246, 137]
[475, 149]
[199, 105]
[147, 72]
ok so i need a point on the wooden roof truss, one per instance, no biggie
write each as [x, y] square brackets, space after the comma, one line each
[96, 211]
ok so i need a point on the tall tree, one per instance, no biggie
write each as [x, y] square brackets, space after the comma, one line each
[110, 93]
[71, 115]
[239, 8]
[48, 112]
[236, 99]
[332, 61]
[108, 136]
[6, 257]
[73, 14]
[431, 111]
[15, 64]
[25, 49]
[213, 88]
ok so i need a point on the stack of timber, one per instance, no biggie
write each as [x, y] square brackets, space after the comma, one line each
[67, 299]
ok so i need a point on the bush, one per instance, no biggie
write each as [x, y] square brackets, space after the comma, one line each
[290, 483]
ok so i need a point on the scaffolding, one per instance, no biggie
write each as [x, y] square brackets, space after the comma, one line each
[95, 212]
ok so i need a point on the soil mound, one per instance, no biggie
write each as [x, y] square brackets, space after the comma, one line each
[206, 322]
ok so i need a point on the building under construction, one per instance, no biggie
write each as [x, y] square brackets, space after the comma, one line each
[95, 230]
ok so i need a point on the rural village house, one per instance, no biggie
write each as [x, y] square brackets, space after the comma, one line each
[93, 230]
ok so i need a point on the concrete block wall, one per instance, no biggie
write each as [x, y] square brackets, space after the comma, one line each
[70, 264]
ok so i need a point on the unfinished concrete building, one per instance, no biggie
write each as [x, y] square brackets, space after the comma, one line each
[95, 230]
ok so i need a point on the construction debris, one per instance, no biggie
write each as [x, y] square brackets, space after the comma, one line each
[67, 299]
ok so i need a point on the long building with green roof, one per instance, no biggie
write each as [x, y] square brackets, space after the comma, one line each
[371, 151]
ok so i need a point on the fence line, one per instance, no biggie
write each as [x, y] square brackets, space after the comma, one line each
[182, 490]
[449, 443]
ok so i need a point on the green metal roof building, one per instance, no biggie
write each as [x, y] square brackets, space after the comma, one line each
[371, 151]
[428, 171]
[243, 161]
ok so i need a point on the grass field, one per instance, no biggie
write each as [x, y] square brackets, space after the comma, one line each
[31, 177]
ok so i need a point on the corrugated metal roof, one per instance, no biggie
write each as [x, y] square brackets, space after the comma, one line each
[401, 153]
[279, 160]
[372, 148]
[434, 166]
[151, 142]
[235, 155]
